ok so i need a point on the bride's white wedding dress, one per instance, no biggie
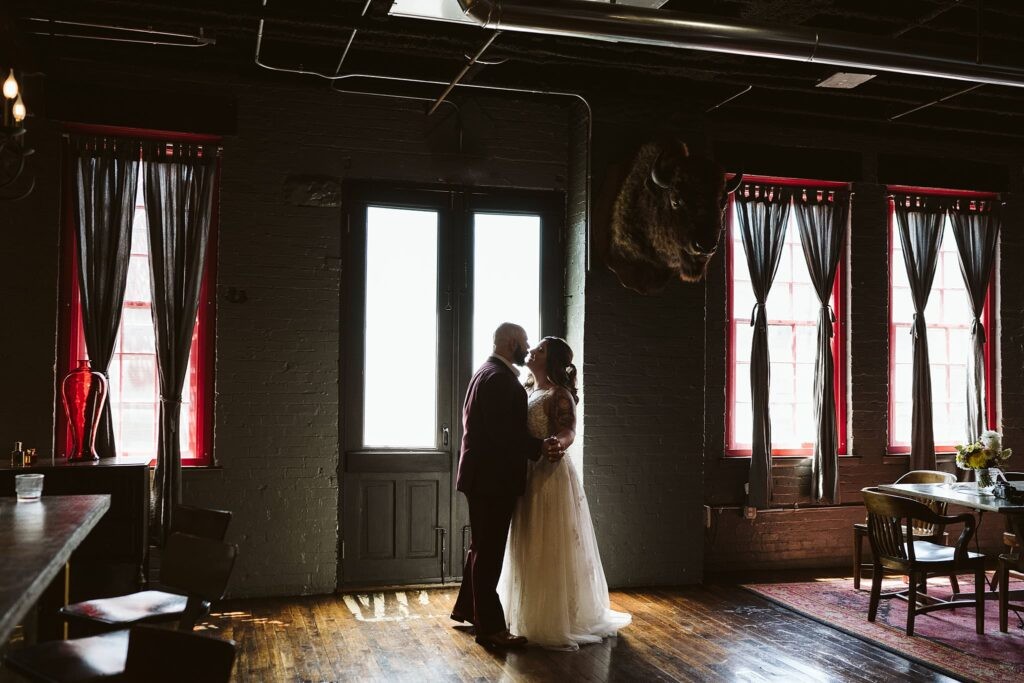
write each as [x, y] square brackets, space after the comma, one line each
[552, 584]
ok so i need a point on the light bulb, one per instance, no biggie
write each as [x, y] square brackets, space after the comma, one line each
[18, 111]
[10, 86]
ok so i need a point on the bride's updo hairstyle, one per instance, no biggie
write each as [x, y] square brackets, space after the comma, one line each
[560, 369]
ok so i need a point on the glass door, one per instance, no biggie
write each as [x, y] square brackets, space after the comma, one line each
[430, 275]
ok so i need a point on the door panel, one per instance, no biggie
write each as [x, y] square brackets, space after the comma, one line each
[423, 509]
[394, 536]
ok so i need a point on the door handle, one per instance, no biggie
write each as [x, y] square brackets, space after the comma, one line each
[444, 548]
[445, 435]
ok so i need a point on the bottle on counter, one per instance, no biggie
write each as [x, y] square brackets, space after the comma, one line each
[17, 455]
[30, 457]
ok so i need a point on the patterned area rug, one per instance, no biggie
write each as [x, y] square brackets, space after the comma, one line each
[944, 640]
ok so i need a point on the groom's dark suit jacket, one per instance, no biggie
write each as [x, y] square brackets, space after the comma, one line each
[495, 439]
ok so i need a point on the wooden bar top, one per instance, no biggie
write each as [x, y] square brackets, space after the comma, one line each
[36, 539]
[42, 464]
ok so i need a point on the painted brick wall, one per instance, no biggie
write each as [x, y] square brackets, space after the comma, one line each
[29, 237]
[645, 426]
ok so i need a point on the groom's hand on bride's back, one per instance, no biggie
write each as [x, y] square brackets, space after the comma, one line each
[552, 449]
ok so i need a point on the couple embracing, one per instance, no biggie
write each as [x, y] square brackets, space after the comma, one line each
[549, 586]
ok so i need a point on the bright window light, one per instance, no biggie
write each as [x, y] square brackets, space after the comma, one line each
[506, 277]
[948, 315]
[792, 309]
[400, 395]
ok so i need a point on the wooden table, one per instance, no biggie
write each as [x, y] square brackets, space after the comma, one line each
[36, 540]
[112, 560]
[964, 494]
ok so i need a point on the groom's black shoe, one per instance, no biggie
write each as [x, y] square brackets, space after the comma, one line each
[502, 640]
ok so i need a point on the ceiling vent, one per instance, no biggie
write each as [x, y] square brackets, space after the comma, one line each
[844, 81]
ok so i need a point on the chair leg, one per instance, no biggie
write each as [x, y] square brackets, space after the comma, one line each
[1003, 576]
[876, 591]
[911, 603]
[954, 584]
[857, 558]
[980, 586]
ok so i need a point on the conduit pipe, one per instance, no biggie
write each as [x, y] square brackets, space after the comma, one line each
[666, 28]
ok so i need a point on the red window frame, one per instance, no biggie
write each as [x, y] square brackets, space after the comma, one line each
[838, 340]
[70, 324]
[987, 319]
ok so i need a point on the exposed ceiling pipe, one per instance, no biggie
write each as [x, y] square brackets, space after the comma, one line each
[665, 28]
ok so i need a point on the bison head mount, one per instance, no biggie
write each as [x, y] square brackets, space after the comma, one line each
[667, 218]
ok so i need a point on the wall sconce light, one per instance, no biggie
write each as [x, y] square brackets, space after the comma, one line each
[13, 151]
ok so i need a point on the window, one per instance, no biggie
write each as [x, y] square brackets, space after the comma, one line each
[792, 310]
[133, 387]
[948, 315]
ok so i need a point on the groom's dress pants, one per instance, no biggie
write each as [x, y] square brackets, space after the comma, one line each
[489, 517]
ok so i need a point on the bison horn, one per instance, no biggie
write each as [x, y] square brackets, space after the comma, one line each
[658, 175]
[734, 184]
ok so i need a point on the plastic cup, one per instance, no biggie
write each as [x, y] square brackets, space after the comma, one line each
[28, 487]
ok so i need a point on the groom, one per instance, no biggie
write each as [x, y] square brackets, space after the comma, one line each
[492, 474]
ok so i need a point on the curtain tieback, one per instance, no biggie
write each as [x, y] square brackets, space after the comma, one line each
[977, 329]
[753, 312]
[831, 318]
[913, 327]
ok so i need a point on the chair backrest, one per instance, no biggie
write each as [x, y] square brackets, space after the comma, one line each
[891, 522]
[199, 567]
[157, 655]
[200, 522]
[927, 477]
[1014, 476]
[938, 507]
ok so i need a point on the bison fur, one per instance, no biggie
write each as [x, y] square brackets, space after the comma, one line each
[666, 221]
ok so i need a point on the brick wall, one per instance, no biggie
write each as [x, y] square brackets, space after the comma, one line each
[30, 236]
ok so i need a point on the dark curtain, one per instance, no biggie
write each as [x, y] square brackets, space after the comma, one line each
[179, 184]
[821, 218]
[106, 174]
[919, 221]
[762, 213]
[976, 228]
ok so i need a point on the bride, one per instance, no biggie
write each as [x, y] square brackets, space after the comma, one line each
[552, 584]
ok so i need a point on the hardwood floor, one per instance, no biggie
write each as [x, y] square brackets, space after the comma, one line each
[710, 633]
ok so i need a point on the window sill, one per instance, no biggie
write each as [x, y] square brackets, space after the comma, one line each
[901, 458]
[782, 458]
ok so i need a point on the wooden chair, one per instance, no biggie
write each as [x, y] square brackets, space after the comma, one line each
[1010, 539]
[1010, 561]
[146, 654]
[202, 522]
[197, 567]
[925, 532]
[892, 523]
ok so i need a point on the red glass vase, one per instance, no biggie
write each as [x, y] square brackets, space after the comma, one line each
[84, 392]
